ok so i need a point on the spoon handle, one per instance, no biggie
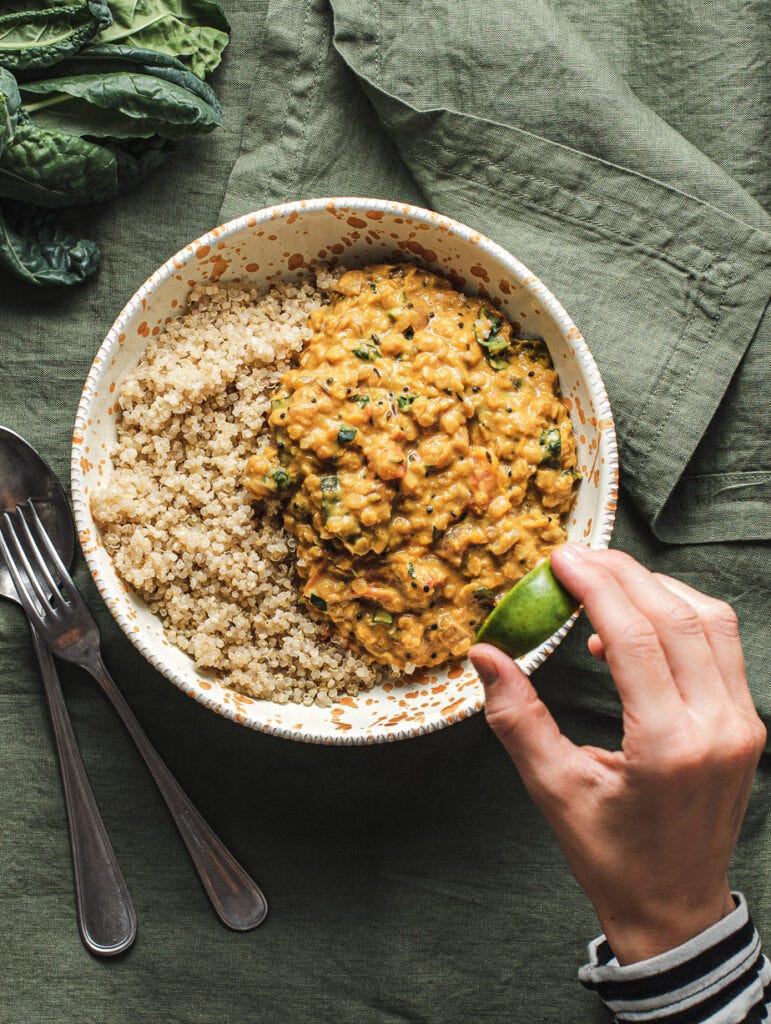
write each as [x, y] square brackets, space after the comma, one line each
[236, 898]
[105, 913]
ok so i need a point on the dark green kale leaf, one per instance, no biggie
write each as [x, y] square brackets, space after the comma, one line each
[37, 249]
[194, 31]
[36, 36]
[10, 105]
[126, 85]
[131, 104]
[53, 169]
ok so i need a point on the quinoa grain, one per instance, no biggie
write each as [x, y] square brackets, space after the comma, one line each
[179, 526]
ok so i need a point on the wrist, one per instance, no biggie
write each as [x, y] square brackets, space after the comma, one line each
[652, 930]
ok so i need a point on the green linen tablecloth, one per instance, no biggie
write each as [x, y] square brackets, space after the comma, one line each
[619, 148]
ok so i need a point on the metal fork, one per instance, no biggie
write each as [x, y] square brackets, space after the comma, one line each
[56, 607]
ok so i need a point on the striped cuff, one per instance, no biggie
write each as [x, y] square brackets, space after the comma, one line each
[719, 976]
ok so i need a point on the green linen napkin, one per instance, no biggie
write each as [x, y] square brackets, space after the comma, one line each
[618, 150]
[507, 119]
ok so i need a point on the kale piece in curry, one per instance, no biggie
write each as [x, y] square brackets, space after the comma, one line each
[426, 460]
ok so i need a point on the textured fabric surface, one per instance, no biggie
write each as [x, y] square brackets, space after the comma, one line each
[618, 149]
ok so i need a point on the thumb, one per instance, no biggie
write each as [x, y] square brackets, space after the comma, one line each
[522, 722]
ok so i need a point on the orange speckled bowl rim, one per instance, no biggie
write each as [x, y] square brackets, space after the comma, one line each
[606, 501]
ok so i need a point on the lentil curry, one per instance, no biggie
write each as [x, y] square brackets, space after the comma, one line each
[426, 460]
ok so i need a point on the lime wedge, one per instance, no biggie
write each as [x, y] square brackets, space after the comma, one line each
[533, 609]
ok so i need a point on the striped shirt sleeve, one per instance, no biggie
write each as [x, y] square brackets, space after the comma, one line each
[718, 977]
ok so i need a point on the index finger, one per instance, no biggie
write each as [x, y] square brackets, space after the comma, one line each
[632, 648]
[524, 725]
[721, 628]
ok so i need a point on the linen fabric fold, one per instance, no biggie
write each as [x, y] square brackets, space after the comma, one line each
[658, 253]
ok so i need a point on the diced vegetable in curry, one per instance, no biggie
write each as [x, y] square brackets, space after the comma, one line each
[426, 460]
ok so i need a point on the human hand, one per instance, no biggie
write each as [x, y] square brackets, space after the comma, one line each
[648, 830]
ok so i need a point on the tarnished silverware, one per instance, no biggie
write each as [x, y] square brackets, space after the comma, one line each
[56, 607]
[105, 913]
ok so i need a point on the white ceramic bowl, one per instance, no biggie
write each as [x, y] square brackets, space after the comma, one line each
[282, 243]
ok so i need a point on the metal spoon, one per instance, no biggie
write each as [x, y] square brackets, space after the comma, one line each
[105, 913]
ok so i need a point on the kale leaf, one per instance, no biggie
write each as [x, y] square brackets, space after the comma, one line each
[194, 31]
[120, 105]
[93, 95]
[10, 105]
[38, 36]
[37, 249]
[53, 169]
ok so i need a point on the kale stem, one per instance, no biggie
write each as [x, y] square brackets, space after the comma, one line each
[30, 108]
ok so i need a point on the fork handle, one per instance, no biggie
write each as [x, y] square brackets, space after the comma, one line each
[105, 913]
[236, 898]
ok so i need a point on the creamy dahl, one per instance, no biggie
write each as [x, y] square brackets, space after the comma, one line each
[425, 458]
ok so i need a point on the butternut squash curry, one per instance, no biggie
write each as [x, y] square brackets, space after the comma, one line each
[425, 458]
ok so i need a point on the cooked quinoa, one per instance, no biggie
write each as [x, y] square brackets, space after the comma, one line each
[180, 527]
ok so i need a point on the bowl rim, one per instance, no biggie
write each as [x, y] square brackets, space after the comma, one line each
[108, 587]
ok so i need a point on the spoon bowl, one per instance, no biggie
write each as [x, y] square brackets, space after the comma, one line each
[25, 474]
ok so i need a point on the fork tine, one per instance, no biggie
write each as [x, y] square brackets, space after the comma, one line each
[28, 511]
[19, 557]
[13, 553]
[38, 564]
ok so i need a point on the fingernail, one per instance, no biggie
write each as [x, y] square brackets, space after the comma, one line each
[486, 669]
[573, 552]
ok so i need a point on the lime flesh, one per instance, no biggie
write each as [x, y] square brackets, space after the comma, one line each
[533, 609]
